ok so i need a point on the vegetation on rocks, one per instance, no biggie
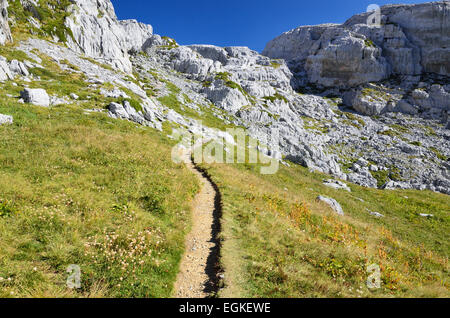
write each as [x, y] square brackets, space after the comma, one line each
[51, 14]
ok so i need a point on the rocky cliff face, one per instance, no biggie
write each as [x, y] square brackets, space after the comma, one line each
[412, 40]
[422, 27]
[5, 33]
[100, 35]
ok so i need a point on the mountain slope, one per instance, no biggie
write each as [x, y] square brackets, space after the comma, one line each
[85, 179]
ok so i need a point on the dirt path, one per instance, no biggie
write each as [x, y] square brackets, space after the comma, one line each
[198, 276]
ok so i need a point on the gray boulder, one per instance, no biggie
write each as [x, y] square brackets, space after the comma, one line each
[370, 100]
[211, 52]
[227, 98]
[5, 71]
[336, 184]
[332, 203]
[152, 41]
[117, 111]
[18, 67]
[37, 96]
[5, 32]
[187, 61]
[5, 119]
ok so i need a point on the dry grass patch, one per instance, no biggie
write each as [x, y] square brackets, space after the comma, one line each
[279, 242]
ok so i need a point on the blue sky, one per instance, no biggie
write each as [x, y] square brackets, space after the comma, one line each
[249, 23]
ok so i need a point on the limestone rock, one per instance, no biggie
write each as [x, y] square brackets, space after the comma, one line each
[5, 71]
[343, 59]
[127, 112]
[5, 32]
[426, 25]
[187, 61]
[227, 98]
[336, 184]
[412, 41]
[38, 97]
[5, 119]
[370, 100]
[100, 35]
[18, 67]
[332, 203]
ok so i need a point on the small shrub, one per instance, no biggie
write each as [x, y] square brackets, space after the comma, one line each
[6, 208]
[438, 154]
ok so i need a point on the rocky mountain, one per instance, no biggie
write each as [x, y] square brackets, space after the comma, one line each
[366, 104]
[5, 33]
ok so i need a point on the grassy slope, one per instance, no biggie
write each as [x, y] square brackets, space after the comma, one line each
[87, 190]
[279, 242]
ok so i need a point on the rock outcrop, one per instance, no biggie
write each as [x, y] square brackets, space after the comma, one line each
[100, 35]
[333, 204]
[37, 96]
[5, 71]
[411, 41]
[5, 33]
[5, 119]
[426, 26]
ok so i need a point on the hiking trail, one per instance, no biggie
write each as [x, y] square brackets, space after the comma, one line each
[199, 268]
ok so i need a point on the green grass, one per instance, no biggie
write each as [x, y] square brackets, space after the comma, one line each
[369, 43]
[225, 77]
[381, 176]
[11, 53]
[416, 143]
[279, 242]
[276, 96]
[314, 124]
[51, 14]
[438, 154]
[275, 64]
[88, 190]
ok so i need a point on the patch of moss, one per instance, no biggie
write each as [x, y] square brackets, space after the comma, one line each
[381, 176]
[171, 43]
[275, 64]
[438, 154]
[369, 43]
[51, 14]
[173, 88]
[314, 124]
[225, 77]
[400, 128]
[133, 103]
[275, 97]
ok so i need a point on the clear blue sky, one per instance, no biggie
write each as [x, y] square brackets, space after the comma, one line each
[249, 23]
